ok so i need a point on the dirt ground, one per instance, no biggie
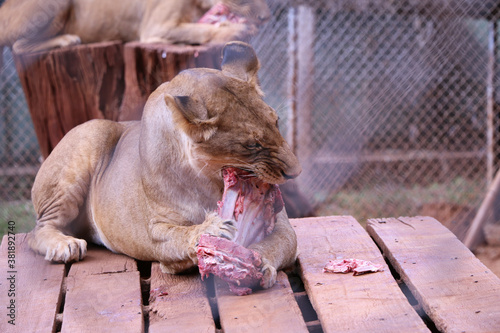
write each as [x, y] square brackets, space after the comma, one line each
[490, 256]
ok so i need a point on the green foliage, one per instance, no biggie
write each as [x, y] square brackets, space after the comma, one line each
[21, 212]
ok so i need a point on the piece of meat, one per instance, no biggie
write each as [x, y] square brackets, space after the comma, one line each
[253, 204]
[220, 13]
[356, 266]
[233, 263]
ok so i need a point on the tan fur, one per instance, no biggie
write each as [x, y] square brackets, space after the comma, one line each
[148, 189]
[36, 25]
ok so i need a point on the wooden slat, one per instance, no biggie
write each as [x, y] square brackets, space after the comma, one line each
[178, 303]
[100, 260]
[37, 289]
[343, 302]
[270, 310]
[103, 294]
[455, 289]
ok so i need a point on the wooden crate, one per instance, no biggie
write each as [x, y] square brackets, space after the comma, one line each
[431, 282]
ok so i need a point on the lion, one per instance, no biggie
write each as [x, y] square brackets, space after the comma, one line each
[36, 25]
[149, 188]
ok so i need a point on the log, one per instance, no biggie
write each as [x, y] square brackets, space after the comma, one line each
[149, 65]
[68, 86]
[108, 80]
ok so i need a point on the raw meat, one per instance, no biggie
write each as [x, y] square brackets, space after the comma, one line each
[352, 265]
[253, 204]
[233, 263]
[220, 13]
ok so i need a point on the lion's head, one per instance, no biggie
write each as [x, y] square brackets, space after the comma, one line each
[227, 121]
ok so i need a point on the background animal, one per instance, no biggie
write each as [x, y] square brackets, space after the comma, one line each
[37, 25]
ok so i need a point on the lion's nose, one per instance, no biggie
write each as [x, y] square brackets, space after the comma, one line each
[292, 172]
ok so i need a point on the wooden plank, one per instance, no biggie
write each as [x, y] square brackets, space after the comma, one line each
[103, 294]
[37, 289]
[100, 260]
[269, 310]
[178, 303]
[454, 288]
[343, 302]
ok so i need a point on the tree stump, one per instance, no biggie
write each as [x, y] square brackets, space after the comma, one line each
[66, 87]
[149, 65]
[109, 80]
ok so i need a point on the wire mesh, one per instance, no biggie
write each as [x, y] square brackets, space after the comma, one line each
[390, 105]
[19, 151]
[399, 112]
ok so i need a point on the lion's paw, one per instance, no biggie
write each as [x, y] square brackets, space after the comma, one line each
[68, 40]
[216, 226]
[67, 249]
[269, 274]
[233, 31]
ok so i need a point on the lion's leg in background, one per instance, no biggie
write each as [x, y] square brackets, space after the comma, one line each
[196, 33]
[27, 45]
[34, 23]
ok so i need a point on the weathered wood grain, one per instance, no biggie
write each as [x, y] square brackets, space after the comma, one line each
[103, 294]
[269, 310]
[68, 86]
[178, 303]
[100, 260]
[343, 302]
[37, 289]
[455, 289]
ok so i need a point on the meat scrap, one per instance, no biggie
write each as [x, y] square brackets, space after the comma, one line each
[253, 204]
[233, 263]
[356, 266]
[220, 13]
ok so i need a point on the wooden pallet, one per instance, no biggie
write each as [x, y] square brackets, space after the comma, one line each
[433, 282]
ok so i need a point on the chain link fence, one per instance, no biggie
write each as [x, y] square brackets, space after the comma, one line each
[19, 151]
[390, 105]
[397, 112]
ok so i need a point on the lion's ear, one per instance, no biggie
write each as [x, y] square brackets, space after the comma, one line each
[239, 60]
[191, 116]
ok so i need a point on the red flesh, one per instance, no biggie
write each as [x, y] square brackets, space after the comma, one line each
[253, 204]
[233, 263]
[356, 266]
[220, 13]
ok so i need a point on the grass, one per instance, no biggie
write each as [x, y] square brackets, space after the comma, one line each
[20, 212]
[393, 201]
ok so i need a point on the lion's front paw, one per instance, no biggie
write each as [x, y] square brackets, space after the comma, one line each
[269, 274]
[66, 249]
[216, 226]
[233, 31]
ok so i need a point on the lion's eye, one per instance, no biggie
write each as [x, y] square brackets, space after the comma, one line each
[253, 146]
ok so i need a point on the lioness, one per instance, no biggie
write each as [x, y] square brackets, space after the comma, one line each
[148, 188]
[36, 25]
